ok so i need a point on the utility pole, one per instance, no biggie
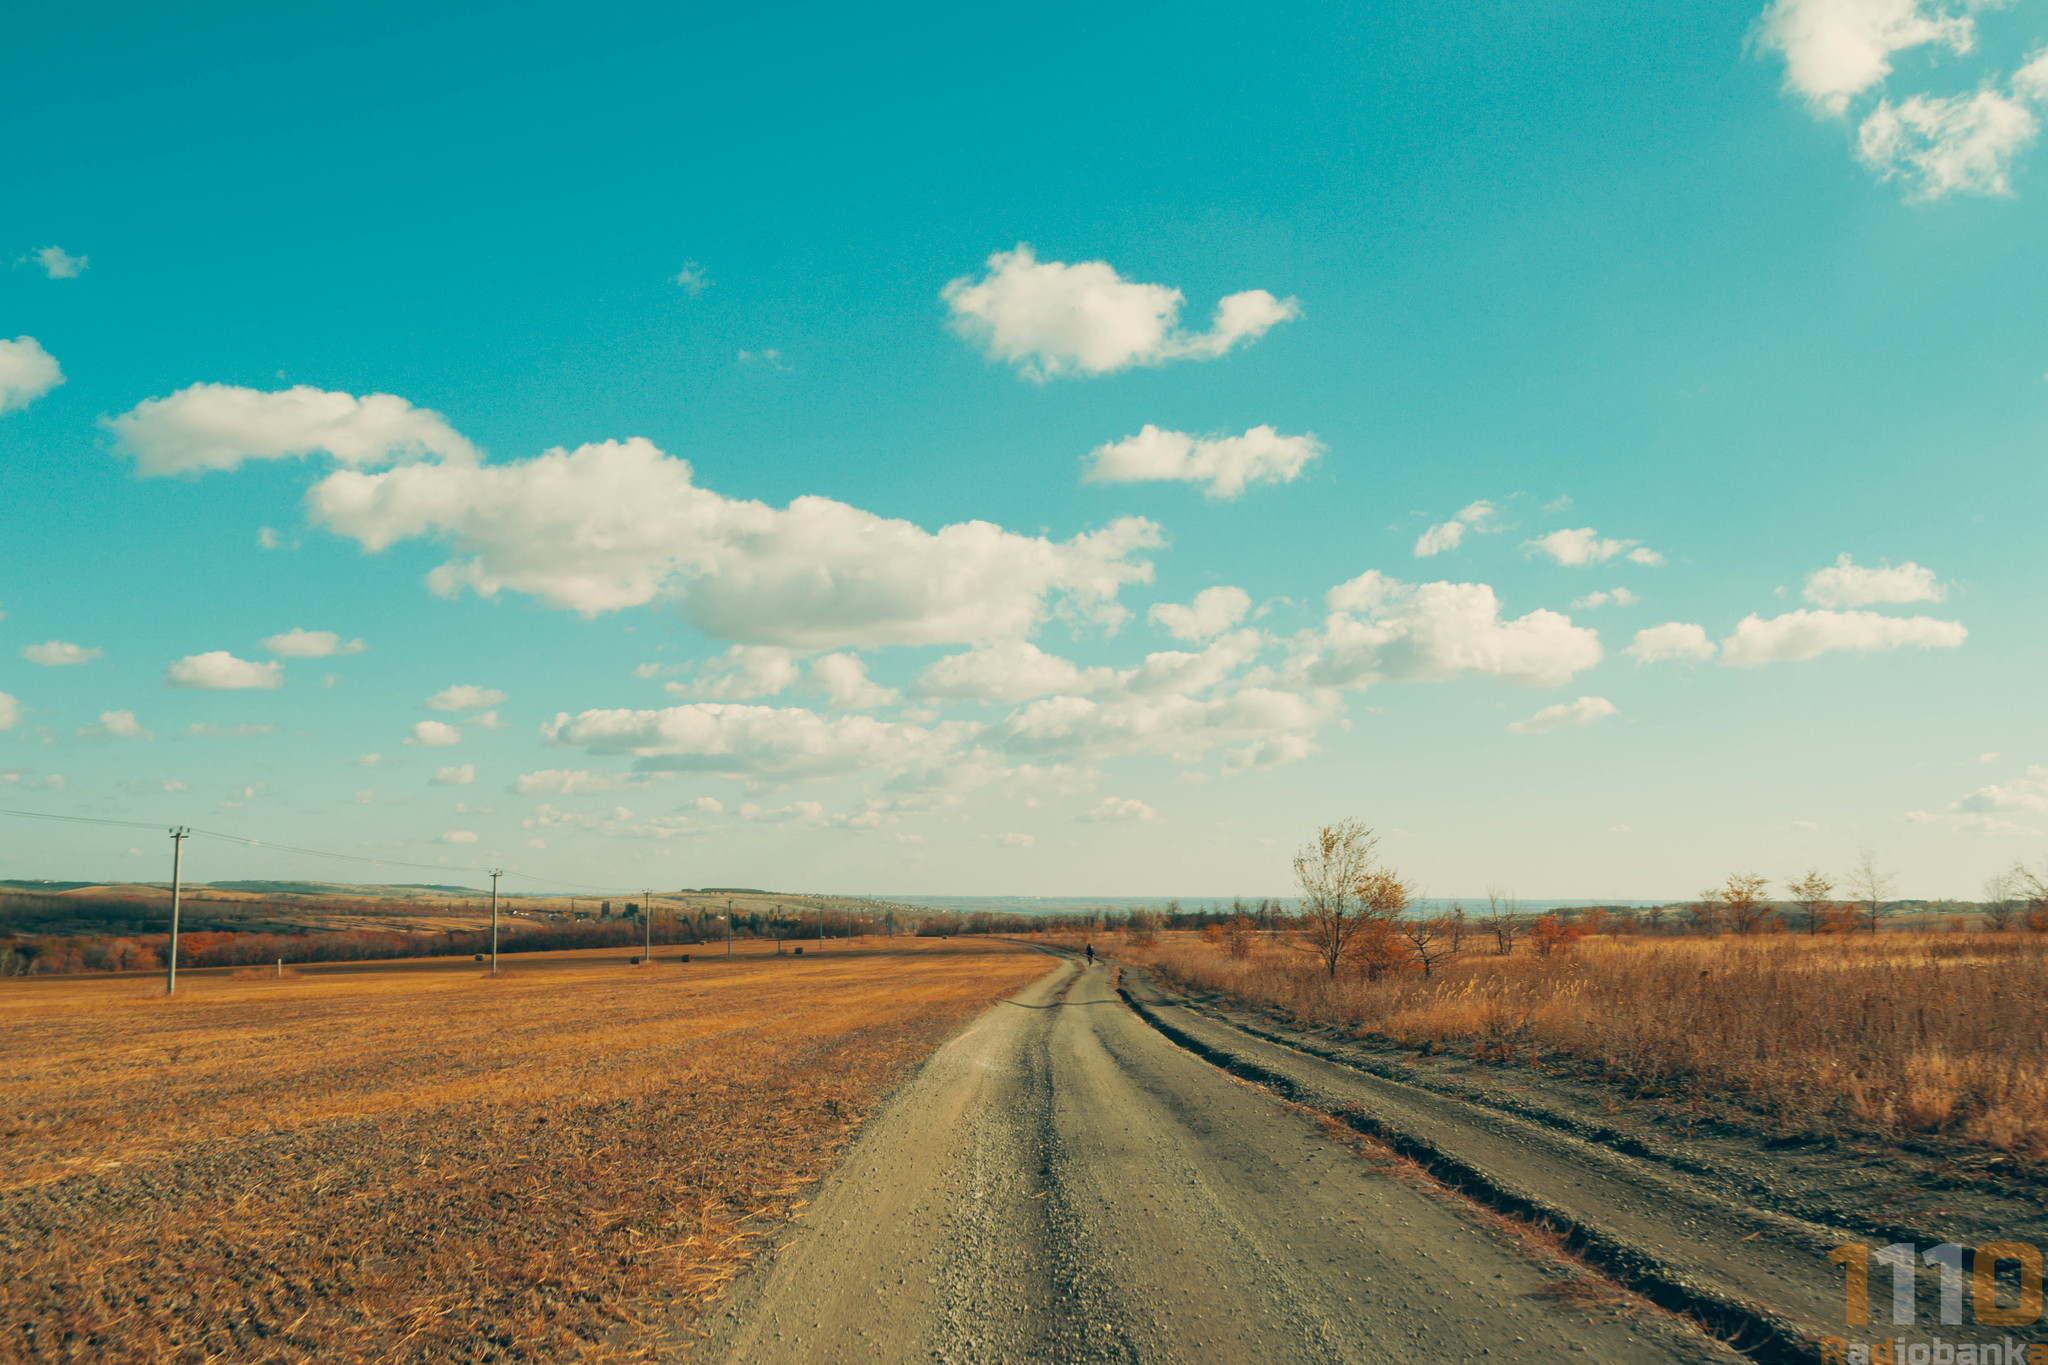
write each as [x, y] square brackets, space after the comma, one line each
[728, 927]
[178, 838]
[495, 874]
[647, 923]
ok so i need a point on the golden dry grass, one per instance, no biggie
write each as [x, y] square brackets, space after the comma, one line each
[1903, 1032]
[411, 1162]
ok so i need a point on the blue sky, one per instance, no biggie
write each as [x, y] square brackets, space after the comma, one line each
[937, 351]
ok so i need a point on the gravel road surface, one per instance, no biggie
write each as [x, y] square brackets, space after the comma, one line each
[1061, 1183]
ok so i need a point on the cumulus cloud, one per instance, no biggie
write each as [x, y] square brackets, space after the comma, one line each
[692, 279]
[454, 777]
[576, 782]
[1583, 545]
[58, 654]
[219, 671]
[1013, 671]
[299, 643]
[1116, 810]
[620, 524]
[1049, 318]
[1382, 630]
[218, 426]
[1213, 611]
[27, 372]
[1848, 584]
[1584, 711]
[1834, 50]
[1806, 634]
[116, 725]
[843, 678]
[1962, 144]
[10, 712]
[1620, 597]
[465, 697]
[757, 742]
[1672, 640]
[1987, 810]
[457, 836]
[59, 264]
[1015, 840]
[1450, 535]
[742, 673]
[1223, 465]
[1258, 727]
[434, 734]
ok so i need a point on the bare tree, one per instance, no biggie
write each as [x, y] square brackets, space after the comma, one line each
[1344, 889]
[1502, 920]
[1810, 893]
[1869, 884]
[2000, 890]
[1455, 926]
[1429, 940]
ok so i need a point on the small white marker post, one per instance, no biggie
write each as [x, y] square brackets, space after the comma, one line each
[178, 838]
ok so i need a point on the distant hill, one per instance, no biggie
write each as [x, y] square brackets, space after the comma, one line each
[335, 888]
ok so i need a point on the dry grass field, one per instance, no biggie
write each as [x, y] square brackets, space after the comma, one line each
[1921, 1033]
[412, 1162]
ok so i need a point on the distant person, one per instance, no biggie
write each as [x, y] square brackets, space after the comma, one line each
[1091, 955]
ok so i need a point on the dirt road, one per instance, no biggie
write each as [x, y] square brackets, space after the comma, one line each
[1061, 1183]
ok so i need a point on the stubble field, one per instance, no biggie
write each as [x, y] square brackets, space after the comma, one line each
[411, 1162]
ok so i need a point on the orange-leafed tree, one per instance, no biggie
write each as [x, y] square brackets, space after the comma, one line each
[1345, 891]
[1552, 934]
[1744, 904]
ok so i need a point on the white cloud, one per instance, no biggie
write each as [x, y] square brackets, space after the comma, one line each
[218, 426]
[1116, 810]
[60, 264]
[1963, 144]
[116, 725]
[1213, 611]
[1985, 810]
[267, 538]
[1383, 630]
[1258, 727]
[770, 357]
[219, 671]
[299, 643]
[1806, 634]
[692, 279]
[2021, 794]
[464, 697]
[1583, 545]
[1050, 318]
[1620, 597]
[434, 734]
[757, 742]
[203, 730]
[1223, 464]
[1584, 711]
[457, 836]
[27, 372]
[708, 805]
[10, 712]
[1013, 671]
[1450, 535]
[368, 760]
[1834, 50]
[1672, 640]
[454, 777]
[742, 673]
[577, 782]
[484, 720]
[58, 654]
[1014, 840]
[620, 524]
[844, 680]
[1848, 584]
